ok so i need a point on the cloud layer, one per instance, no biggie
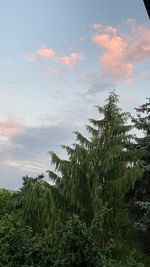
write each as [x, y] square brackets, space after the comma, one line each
[48, 53]
[97, 84]
[121, 51]
[9, 127]
[26, 152]
[72, 59]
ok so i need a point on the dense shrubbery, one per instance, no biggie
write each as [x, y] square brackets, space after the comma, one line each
[97, 212]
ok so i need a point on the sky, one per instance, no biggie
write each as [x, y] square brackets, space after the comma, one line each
[58, 59]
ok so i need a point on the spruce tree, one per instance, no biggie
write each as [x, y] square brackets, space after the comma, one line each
[99, 169]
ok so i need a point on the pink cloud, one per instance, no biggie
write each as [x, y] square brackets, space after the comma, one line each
[9, 127]
[122, 51]
[72, 59]
[48, 53]
[45, 53]
[139, 45]
[111, 29]
[113, 61]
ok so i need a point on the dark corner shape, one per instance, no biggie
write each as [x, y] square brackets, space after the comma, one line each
[147, 5]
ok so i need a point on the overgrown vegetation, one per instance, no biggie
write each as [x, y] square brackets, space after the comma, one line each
[96, 213]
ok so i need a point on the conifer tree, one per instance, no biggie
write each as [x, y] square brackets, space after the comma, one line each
[99, 169]
[97, 174]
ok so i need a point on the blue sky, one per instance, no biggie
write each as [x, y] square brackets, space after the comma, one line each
[57, 60]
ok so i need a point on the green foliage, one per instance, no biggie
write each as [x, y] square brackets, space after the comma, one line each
[37, 203]
[101, 167]
[76, 247]
[6, 202]
[139, 198]
[130, 261]
[103, 182]
[143, 224]
[99, 171]
[19, 247]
